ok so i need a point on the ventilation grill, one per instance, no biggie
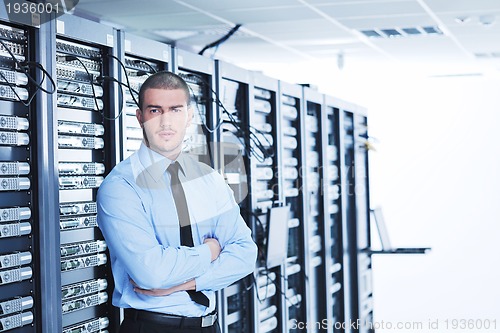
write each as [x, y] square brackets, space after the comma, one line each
[402, 32]
[487, 55]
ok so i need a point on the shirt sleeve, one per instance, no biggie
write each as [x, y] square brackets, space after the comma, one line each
[130, 236]
[239, 251]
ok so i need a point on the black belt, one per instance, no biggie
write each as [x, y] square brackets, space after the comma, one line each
[171, 320]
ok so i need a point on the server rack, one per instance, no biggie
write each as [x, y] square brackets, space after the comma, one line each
[352, 122]
[314, 217]
[335, 289]
[202, 135]
[232, 87]
[138, 58]
[291, 150]
[266, 192]
[85, 134]
[20, 255]
[363, 221]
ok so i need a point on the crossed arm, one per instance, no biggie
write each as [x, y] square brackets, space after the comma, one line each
[215, 250]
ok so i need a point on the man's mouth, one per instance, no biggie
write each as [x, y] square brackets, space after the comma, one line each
[166, 134]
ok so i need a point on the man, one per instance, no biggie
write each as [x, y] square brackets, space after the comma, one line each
[172, 226]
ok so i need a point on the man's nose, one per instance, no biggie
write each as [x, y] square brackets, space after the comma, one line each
[166, 119]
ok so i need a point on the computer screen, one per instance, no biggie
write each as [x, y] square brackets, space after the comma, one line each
[277, 236]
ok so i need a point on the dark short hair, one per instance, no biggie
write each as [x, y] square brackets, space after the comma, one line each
[164, 80]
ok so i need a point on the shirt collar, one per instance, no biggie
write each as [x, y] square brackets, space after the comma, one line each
[182, 163]
[156, 164]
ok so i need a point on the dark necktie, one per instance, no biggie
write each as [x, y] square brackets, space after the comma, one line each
[184, 223]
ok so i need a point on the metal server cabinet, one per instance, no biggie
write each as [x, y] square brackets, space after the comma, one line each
[333, 217]
[203, 134]
[21, 302]
[355, 219]
[199, 73]
[232, 87]
[138, 58]
[85, 110]
[313, 192]
[266, 191]
[290, 109]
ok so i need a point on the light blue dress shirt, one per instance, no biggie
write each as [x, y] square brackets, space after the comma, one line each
[138, 218]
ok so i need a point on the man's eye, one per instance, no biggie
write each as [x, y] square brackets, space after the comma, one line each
[154, 110]
[177, 110]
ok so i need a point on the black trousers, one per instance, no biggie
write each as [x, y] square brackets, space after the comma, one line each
[130, 325]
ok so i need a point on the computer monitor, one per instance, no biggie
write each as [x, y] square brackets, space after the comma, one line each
[277, 236]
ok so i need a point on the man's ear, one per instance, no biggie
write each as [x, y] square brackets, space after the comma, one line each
[138, 115]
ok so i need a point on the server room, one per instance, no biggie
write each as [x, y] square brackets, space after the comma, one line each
[249, 166]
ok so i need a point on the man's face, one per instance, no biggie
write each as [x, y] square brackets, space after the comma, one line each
[164, 119]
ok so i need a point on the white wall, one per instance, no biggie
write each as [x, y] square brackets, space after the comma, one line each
[437, 177]
[436, 173]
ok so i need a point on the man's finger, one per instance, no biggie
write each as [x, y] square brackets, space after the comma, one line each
[144, 291]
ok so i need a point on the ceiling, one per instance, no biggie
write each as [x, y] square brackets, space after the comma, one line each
[453, 37]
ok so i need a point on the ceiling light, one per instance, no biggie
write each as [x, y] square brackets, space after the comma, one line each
[481, 55]
[175, 34]
[487, 20]
[462, 19]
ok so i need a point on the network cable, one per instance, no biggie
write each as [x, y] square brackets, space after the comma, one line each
[139, 61]
[24, 68]
[126, 77]
[250, 133]
[120, 84]
[69, 58]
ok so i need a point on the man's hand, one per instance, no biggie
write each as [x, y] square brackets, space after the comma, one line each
[214, 247]
[190, 285]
